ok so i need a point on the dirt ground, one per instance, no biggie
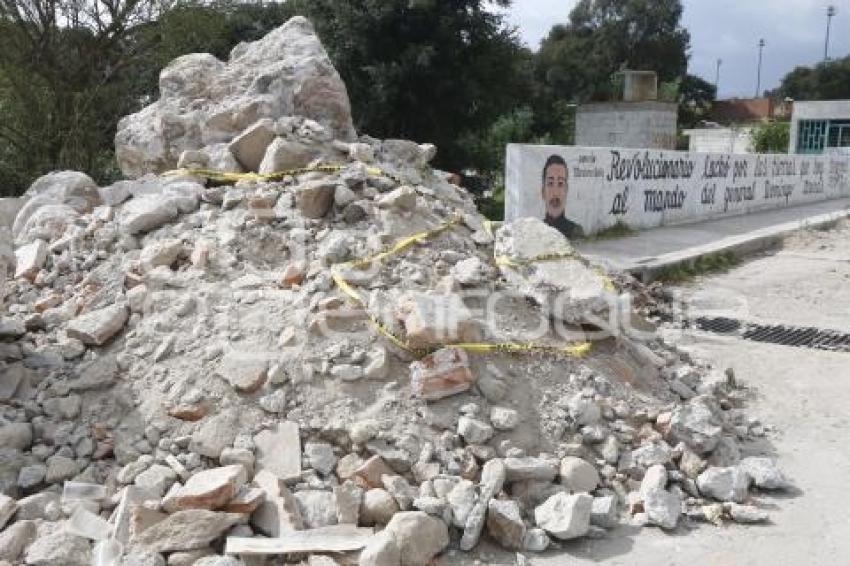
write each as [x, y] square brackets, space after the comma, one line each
[801, 393]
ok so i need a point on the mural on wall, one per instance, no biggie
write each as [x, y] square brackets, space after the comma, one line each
[581, 191]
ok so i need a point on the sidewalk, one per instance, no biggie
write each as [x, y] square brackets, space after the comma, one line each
[646, 253]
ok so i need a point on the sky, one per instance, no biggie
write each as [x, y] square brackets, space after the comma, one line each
[794, 32]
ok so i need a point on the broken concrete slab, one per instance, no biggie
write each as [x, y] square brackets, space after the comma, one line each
[278, 450]
[336, 538]
[211, 489]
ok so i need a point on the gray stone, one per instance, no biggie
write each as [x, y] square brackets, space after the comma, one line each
[474, 431]
[249, 147]
[205, 100]
[503, 418]
[578, 475]
[186, 530]
[156, 479]
[381, 550]
[746, 514]
[651, 454]
[31, 476]
[315, 199]
[348, 498]
[317, 508]
[402, 492]
[378, 507]
[565, 516]
[8, 506]
[60, 468]
[403, 198]
[535, 540]
[214, 433]
[58, 548]
[95, 328]
[764, 473]
[285, 154]
[29, 259]
[209, 489]
[549, 283]
[161, 252]
[517, 469]
[320, 456]
[144, 214]
[245, 373]
[697, 424]
[654, 478]
[219, 561]
[15, 538]
[604, 513]
[662, 507]
[17, 436]
[142, 558]
[504, 524]
[419, 537]
[724, 484]
[42, 505]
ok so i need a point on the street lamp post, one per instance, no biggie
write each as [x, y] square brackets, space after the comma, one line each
[758, 79]
[717, 77]
[830, 12]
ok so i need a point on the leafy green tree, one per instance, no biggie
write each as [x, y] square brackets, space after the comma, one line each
[695, 98]
[427, 70]
[578, 60]
[825, 81]
[771, 137]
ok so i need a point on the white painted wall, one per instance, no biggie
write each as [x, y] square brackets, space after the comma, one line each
[627, 124]
[720, 140]
[612, 185]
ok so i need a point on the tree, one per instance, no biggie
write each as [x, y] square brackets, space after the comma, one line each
[70, 69]
[771, 137]
[825, 81]
[427, 70]
[578, 60]
[695, 98]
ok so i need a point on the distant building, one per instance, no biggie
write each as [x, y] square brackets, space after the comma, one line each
[638, 121]
[737, 139]
[820, 127]
[732, 123]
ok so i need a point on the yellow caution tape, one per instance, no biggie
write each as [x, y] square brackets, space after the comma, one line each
[232, 177]
[576, 350]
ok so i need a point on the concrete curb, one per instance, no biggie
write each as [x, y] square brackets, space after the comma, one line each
[648, 269]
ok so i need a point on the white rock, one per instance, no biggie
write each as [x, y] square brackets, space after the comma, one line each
[250, 146]
[320, 456]
[381, 550]
[504, 524]
[209, 101]
[604, 513]
[146, 213]
[654, 478]
[724, 484]
[8, 506]
[565, 516]
[419, 537]
[474, 431]
[377, 507]
[161, 252]
[566, 289]
[58, 547]
[30, 259]
[95, 328]
[764, 473]
[746, 514]
[697, 425]
[503, 418]
[317, 508]
[662, 507]
[578, 475]
[535, 540]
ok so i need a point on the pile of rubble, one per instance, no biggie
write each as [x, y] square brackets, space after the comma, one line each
[185, 382]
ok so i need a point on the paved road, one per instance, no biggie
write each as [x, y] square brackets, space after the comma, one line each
[804, 394]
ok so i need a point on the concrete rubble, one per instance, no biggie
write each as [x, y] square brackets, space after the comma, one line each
[176, 354]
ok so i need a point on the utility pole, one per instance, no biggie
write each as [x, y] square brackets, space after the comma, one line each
[830, 12]
[717, 77]
[758, 80]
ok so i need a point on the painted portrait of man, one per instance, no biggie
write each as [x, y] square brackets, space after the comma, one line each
[554, 192]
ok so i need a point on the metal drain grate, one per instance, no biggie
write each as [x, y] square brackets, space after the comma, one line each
[801, 337]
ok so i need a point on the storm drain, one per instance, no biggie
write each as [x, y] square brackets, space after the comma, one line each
[801, 337]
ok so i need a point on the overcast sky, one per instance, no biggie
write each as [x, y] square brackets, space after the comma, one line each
[794, 31]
